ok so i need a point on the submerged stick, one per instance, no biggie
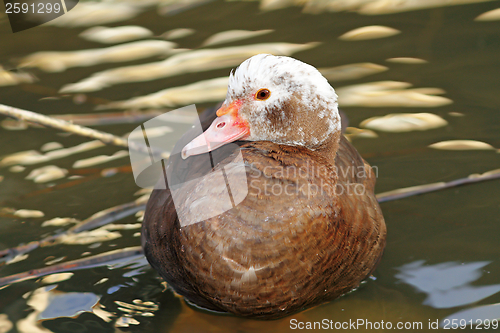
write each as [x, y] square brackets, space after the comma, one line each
[101, 119]
[112, 118]
[417, 190]
[97, 220]
[107, 216]
[73, 265]
[62, 125]
[67, 126]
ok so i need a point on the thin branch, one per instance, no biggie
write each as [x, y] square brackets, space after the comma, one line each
[102, 119]
[111, 118]
[109, 215]
[417, 190]
[62, 125]
[67, 126]
[102, 259]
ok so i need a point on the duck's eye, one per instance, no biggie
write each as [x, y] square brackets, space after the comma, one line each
[263, 94]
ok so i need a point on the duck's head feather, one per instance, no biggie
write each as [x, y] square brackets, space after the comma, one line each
[277, 99]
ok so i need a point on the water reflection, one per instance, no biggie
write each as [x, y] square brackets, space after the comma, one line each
[390, 94]
[404, 122]
[369, 32]
[186, 62]
[462, 145]
[447, 285]
[91, 13]
[178, 33]
[115, 35]
[49, 303]
[5, 324]
[441, 48]
[352, 71]
[477, 315]
[367, 7]
[61, 304]
[212, 90]
[492, 15]
[233, 36]
[60, 61]
[9, 78]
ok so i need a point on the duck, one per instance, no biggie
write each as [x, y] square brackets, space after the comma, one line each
[307, 227]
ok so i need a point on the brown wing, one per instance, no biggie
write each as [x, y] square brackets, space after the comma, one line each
[360, 206]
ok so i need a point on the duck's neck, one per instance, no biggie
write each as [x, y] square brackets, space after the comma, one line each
[328, 149]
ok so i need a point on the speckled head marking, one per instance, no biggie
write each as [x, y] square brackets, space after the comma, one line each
[302, 106]
[277, 99]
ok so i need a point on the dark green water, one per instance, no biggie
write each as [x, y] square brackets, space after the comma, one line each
[443, 249]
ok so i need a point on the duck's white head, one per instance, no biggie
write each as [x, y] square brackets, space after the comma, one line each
[277, 99]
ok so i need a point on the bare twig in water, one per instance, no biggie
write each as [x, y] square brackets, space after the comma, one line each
[67, 126]
[102, 119]
[102, 259]
[416, 190]
[112, 118]
[62, 125]
[109, 215]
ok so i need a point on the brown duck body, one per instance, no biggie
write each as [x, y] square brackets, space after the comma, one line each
[309, 230]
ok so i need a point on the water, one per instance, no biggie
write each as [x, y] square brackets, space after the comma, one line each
[441, 259]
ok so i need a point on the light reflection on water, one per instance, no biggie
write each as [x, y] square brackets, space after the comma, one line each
[447, 285]
[421, 276]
